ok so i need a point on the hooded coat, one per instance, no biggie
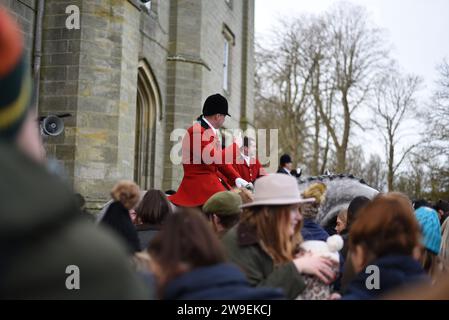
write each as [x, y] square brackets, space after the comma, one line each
[117, 218]
[221, 281]
[395, 271]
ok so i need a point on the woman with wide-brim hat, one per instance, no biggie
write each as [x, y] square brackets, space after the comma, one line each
[265, 242]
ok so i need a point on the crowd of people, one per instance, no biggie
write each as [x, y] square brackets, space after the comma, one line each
[230, 231]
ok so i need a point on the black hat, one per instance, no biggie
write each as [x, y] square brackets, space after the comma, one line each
[215, 104]
[285, 158]
[421, 203]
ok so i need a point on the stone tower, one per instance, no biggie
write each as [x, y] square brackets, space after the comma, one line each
[131, 75]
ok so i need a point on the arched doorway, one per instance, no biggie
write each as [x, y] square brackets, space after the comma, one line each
[147, 110]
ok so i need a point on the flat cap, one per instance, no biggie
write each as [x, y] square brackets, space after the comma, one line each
[225, 203]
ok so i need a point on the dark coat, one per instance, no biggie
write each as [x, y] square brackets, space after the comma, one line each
[395, 271]
[222, 281]
[243, 248]
[281, 170]
[42, 232]
[345, 237]
[118, 219]
[146, 233]
[313, 231]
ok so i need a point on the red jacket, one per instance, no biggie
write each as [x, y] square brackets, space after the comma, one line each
[201, 162]
[249, 172]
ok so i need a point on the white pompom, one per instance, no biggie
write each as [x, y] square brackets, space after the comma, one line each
[335, 243]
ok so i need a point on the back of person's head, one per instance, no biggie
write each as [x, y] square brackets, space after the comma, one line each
[354, 208]
[154, 208]
[185, 242]
[442, 207]
[226, 206]
[127, 193]
[316, 191]
[421, 203]
[386, 226]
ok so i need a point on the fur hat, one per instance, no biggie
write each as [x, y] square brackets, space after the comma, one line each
[317, 191]
[127, 192]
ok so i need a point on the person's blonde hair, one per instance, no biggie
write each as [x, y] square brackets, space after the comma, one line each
[271, 224]
[316, 191]
[127, 192]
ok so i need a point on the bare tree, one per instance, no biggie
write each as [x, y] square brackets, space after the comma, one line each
[438, 138]
[283, 73]
[395, 103]
[313, 77]
[415, 180]
[374, 173]
[322, 95]
[352, 56]
[355, 161]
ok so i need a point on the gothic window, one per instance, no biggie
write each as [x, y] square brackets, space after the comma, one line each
[147, 109]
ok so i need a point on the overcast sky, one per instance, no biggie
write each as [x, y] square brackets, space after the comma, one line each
[418, 31]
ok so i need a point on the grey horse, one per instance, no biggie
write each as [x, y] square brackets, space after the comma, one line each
[341, 189]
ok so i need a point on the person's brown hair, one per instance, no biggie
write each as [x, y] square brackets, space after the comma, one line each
[387, 225]
[127, 192]
[343, 215]
[185, 242]
[154, 208]
[227, 221]
[272, 224]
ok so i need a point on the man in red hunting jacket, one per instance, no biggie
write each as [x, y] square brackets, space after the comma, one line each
[246, 163]
[203, 157]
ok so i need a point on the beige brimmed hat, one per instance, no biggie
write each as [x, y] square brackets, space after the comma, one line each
[276, 189]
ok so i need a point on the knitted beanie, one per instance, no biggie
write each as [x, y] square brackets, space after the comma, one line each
[430, 228]
[15, 81]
